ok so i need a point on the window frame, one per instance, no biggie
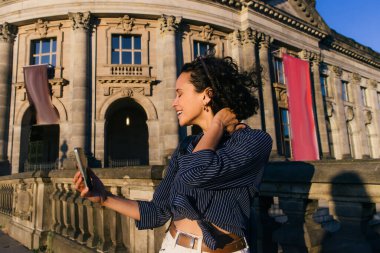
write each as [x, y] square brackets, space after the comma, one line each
[345, 91]
[40, 54]
[277, 74]
[199, 42]
[285, 140]
[120, 50]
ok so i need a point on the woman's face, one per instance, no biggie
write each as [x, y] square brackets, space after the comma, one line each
[188, 103]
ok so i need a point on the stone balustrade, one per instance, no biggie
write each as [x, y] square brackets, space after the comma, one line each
[324, 206]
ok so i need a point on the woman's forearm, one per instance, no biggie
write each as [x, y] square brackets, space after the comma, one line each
[123, 206]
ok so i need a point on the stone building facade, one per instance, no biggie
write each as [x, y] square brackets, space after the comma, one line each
[115, 66]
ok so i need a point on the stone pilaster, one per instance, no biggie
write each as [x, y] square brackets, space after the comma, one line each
[340, 114]
[315, 59]
[249, 41]
[7, 35]
[168, 28]
[360, 138]
[269, 124]
[80, 79]
[235, 42]
[372, 94]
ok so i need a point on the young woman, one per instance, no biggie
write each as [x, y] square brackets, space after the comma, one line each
[212, 177]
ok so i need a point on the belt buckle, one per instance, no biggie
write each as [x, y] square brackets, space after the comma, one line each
[192, 239]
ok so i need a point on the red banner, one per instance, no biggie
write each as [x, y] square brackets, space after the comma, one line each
[37, 88]
[303, 134]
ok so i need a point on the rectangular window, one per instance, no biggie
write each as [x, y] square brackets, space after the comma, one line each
[126, 49]
[345, 95]
[324, 87]
[363, 93]
[43, 51]
[279, 71]
[285, 132]
[201, 48]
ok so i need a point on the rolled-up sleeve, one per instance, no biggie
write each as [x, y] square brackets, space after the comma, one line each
[157, 212]
[246, 153]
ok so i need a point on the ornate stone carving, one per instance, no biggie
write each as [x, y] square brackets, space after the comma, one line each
[23, 201]
[373, 83]
[235, 38]
[330, 108]
[356, 78]
[349, 112]
[42, 27]
[169, 23]
[128, 87]
[7, 32]
[265, 40]
[127, 23]
[206, 32]
[81, 20]
[368, 117]
[249, 36]
[337, 71]
[127, 92]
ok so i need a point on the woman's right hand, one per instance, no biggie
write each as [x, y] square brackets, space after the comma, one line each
[98, 194]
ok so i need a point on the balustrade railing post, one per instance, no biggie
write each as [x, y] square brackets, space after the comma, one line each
[92, 223]
[59, 209]
[263, 226]
[353, 218]
[116, 231]
[82, 220]
[67, 230]
[73, 213]
[103, 228]
[300, 233]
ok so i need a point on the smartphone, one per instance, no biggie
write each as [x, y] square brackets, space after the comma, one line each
[82, 165]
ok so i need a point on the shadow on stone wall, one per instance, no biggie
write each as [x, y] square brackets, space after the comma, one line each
[354, 234]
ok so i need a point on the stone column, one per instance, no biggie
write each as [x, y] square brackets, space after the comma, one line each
[7, 35]
[315, 59]
[235, 42]
[80, 79]
[344, 145]
[268, 119]
[249, 41]
[168, 27]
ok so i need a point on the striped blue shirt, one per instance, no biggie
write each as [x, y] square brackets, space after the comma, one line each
[211, 187]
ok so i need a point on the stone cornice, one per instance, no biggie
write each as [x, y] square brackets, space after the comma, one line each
[81, 20]
[329, 38]
[7, 32]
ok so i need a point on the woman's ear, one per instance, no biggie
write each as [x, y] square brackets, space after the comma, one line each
[208, 94]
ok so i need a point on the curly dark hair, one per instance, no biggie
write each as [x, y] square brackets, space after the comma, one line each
[230, 88]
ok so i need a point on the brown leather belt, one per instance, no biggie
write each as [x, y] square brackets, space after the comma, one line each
[191, 242]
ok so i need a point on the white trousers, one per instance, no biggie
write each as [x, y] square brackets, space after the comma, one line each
[169, 246]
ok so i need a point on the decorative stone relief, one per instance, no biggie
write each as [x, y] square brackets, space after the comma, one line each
[81, 20]
[337, 71]
[265, 40]
[330, 108]
[235, 38]
[206, 32]
[349, 112]
[373, 84]
[367, 117]
[128, 87]
[169, 23]
[356, 78]
[41, 27]
[249, 36]
[7, 32]
[24, 201]
[127, 23]
[56, 88]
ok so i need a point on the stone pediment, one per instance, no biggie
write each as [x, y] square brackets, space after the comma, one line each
[302, 9]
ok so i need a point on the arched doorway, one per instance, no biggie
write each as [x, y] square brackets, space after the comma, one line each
[39, 144]
[28, 120]
[126, 134]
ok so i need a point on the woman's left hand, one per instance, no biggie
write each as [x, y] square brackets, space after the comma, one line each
[228, 119]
